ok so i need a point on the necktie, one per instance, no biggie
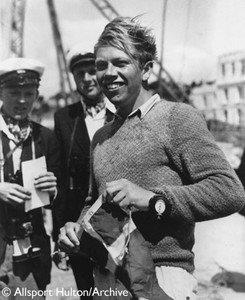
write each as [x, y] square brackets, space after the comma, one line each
[19, 128]
[94, 110]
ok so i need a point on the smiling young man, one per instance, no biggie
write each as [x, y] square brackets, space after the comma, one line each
[156, 157]
[25, 259]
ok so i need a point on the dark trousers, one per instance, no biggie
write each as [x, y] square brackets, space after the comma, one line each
[83, 273]
[32, 274]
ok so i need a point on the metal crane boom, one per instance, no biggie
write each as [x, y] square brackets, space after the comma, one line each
[107, 10]
[17, 27]
[61, 60]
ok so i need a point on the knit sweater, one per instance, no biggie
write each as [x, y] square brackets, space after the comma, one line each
[169, 151]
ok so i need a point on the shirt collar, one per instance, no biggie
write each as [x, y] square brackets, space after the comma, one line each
[24, 128]
[109, 106]
[146, 107]
[5, 129]
[104, 104]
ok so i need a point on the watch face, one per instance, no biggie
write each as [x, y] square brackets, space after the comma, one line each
[160, 207]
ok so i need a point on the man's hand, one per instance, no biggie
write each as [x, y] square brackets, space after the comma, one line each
[69, 237]
[127, 194]
[13, 193]
[60, 259]
[46, 182]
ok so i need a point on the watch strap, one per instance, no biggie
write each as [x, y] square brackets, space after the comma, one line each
[157, 205]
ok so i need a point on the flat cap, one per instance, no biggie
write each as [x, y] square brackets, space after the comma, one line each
[20, 71]
[78, 55]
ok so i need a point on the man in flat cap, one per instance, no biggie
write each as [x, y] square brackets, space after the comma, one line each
[75, 126]
[25, 259]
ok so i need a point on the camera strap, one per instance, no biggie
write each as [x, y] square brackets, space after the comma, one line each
[70, 149]
[72, 141]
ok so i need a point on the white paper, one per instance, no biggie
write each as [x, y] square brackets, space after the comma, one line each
[31, 169]
[21, 246]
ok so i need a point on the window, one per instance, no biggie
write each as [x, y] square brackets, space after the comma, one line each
[226, 115]
[239, 112]
[233, 68]
[223, 69]
[241, 91]
[243, 66]
[226, 93]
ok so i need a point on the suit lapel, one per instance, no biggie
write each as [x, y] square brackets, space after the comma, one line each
[27, 148]
[81, 137]
[26, 153]
[8, 165]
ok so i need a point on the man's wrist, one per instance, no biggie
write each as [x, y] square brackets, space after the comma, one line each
[148, 196]
[158, 206]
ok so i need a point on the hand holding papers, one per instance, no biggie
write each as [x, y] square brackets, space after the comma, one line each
[30, 170]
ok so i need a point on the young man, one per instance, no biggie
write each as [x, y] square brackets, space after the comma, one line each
[24, 245]
[75, 126]
[157, 157]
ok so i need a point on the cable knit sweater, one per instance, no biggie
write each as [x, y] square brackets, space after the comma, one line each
[168, 151]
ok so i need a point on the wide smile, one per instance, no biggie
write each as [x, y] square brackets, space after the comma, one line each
[114, 87]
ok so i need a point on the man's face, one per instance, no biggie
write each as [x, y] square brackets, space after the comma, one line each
[18, 100]
[86, 81]
[119, 76]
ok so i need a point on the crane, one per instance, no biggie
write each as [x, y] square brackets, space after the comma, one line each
[165, 80]
[61, 59]
[107, 10]
[17, 27]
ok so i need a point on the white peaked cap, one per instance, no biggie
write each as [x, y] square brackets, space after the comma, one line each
[79, 51]
[20, 64]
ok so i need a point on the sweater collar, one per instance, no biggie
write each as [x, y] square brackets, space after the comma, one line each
[143, 109]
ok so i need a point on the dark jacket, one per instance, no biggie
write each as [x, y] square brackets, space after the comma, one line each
[45, 144]
[75, 162]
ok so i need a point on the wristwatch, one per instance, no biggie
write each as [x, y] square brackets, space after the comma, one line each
[157, 205]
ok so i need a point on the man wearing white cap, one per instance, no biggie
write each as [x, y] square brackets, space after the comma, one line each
[75, 126]
[25, 259]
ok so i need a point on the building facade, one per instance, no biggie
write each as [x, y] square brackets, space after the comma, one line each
[224, 99]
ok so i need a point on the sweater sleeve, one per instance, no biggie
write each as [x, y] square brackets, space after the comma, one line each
[211, 188]
[241, 169]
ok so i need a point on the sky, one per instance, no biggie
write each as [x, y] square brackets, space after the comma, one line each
[196, 32]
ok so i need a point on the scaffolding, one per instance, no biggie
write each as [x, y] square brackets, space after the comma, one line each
[106, 9]
[165, 80]
[17, 27]
[65, 83]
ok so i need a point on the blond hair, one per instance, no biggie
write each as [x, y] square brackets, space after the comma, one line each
[128, 35]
